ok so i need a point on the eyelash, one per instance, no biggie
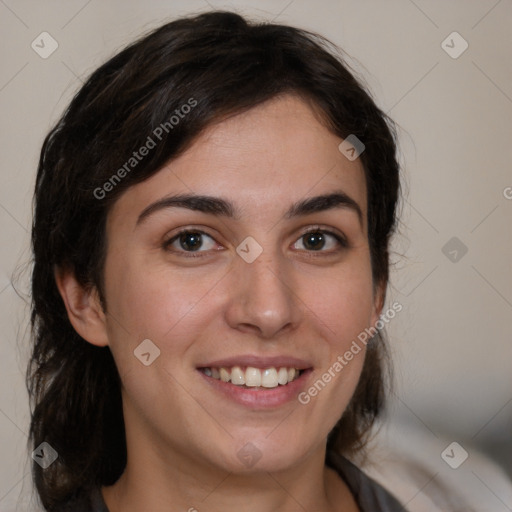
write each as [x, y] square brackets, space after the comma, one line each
[200, 254]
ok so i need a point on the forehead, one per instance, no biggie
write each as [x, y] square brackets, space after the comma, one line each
[263, 159]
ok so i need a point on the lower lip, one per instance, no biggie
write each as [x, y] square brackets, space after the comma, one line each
[260, 398]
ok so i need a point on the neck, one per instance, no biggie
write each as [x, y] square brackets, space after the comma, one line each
[151, 482]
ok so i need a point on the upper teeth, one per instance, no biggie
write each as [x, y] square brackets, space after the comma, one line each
[254, 377]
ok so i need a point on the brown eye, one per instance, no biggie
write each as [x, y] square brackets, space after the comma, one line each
[314, 241]
[189, 241]
[319, 239]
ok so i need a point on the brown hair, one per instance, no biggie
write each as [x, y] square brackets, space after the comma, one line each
[227, 65]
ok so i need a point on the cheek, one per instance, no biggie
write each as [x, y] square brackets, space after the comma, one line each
[152, 301]
[342, 301]
[343, 309]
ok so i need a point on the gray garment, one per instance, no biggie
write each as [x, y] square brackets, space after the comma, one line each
[368, 494]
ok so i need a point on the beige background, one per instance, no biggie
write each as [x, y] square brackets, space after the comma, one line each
[451, 342]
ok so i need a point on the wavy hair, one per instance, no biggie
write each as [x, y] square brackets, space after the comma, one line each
[228, 65]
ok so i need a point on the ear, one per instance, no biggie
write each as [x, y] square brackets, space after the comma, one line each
[83, 307]
[378, 301]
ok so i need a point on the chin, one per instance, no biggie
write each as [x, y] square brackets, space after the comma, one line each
[258, 453]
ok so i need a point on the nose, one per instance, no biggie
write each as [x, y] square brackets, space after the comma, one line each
[263, 298]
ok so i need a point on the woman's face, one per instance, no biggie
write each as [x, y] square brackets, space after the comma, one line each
[245, 290]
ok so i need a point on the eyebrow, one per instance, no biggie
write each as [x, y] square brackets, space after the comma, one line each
[222, 207]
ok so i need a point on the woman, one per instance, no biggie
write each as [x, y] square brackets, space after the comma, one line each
[211, 228]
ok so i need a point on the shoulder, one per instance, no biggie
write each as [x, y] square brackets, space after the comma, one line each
[369, 494]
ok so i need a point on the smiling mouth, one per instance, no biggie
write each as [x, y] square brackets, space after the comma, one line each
[254, 378]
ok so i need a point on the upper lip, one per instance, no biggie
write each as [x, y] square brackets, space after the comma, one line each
[259, 362]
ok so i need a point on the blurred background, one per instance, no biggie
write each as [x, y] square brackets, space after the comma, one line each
[443, 71]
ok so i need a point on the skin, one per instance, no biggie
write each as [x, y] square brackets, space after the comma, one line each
[182, 435]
